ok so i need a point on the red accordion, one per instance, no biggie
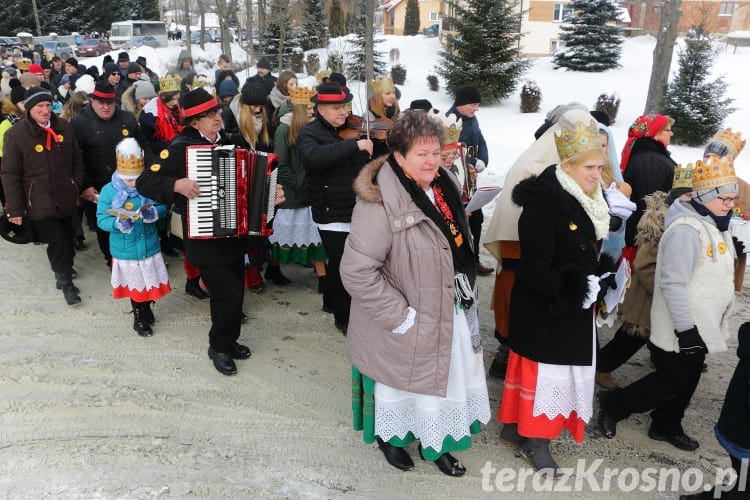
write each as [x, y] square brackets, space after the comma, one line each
[237, 192]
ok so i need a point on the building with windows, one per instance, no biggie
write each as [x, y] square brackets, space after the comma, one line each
[720, 16]
[430, 12]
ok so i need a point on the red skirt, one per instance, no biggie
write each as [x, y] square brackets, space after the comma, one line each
[517, 404]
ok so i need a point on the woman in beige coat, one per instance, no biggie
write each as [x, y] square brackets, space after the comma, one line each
[408, 264]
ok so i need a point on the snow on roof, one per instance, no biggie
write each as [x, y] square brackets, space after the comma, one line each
[623, 15]
[738, 34]
[389, 6]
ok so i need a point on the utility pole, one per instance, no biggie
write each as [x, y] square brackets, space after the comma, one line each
[36, 18]
[369, 28]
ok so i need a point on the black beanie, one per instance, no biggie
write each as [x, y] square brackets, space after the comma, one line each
[254, 92]
[72, 61]
[16, 90]
[338, 78]
[263, 63]
[34, 96]
[123, 56]
[467, 94]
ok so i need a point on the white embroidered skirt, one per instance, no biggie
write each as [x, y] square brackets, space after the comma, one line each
[141, 280]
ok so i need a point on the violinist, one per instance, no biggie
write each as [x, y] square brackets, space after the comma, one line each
[332, 163]
[383, 107]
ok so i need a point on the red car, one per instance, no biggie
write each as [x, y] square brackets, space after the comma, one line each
[93, 47]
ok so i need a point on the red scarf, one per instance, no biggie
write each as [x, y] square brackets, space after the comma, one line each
[643, 126]
[166, 126]
[51, 137]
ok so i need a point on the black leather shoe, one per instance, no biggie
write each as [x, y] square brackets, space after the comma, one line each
[223, 362]
[447, 464]
[482, 270]
[397, 457]
[239, 351]
[59, 286]
[607, 424]
[681, 441]
[70, 292]
[193, 288]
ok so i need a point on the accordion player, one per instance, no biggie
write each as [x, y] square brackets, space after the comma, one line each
[237, 192]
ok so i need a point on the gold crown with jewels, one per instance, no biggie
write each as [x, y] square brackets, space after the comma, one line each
[452, 126]
[169, 83]
[581, 139]
[301, 95]
[714, 173]
[129, 158]
[382, 85]
[683, 177]
[732, 140]
[322, 75]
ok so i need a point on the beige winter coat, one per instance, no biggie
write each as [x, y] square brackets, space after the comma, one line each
[396, 257]
[635, 311]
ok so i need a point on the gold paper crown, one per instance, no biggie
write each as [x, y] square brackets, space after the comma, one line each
[24, 64]
[582, 138]
[169, 83]
[382, 85]
[322, 75]
[683, 177]
[301, 95]
[129, 158]
[732, 140]
[452, 126]
[716, 172]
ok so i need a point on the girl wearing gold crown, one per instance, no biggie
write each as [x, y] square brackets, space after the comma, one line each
[138, 269]
[692, 297]
[382, 105]
[549, 382]
[295, 236]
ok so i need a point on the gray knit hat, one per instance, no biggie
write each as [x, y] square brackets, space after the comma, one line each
[144, 89]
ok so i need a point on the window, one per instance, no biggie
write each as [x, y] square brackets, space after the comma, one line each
[434, 16]
[553, 46]
[726, 8]
[562, 11]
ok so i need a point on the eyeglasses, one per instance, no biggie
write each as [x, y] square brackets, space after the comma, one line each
[726, 200]
[210, 115]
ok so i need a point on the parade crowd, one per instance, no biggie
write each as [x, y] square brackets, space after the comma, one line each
[584, 234]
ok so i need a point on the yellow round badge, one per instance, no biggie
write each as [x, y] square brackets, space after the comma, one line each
[722, 248]
[572, 226]
[129, 205]
[710, 251]
[38, 148]
[60, 138]
[125, 132]
[164, 154]
[155, 167]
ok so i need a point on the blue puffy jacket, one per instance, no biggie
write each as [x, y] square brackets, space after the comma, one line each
[139, 244]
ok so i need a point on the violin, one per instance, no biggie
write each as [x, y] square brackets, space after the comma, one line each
[356, 127]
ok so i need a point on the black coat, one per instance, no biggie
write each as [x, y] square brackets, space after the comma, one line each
[649, 169]
[98, 138]
[158, 183]
[559, 249]
[734, 421]
[331, 163]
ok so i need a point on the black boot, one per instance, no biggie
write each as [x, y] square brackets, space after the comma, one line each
[140, 325]
[60, 281]
[70, 292]
[273, 273]
[148, 314]
[193, 287]
[322, 284]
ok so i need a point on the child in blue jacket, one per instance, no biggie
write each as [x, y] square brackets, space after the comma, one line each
[138, 269]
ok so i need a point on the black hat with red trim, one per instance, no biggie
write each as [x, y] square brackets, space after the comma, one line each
[103, 92]
[197, 102]
[330, 92]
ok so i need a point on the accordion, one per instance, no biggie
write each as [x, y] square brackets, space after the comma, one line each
[237, 192]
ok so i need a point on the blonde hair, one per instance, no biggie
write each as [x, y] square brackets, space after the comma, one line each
[378, 108]
[74, 105]
[299, 120]
[246, 125]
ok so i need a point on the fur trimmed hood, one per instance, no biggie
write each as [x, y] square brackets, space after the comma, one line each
[651, 225]
[364, 183]
[547, 186]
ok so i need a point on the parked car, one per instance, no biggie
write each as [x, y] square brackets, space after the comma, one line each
[93, 47]
[138, 41]
[9, 42]
[61, 49]
[195, 37]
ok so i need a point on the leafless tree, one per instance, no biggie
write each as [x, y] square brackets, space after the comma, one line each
[665, 40]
